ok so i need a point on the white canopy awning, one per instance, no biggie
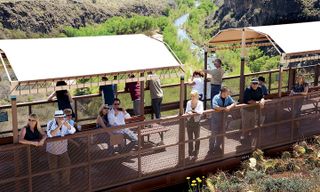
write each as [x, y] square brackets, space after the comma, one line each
[39, 61]
[293, 39]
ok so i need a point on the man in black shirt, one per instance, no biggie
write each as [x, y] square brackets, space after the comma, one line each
[250, 115]
[253, 94]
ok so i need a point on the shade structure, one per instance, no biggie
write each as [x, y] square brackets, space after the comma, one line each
[292, 39]
[53, 59]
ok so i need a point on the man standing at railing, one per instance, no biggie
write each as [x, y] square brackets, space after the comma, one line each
[156, 93]
[216, 78]
[250, 115]
[58, 156]
[134, 89]
[221, 103]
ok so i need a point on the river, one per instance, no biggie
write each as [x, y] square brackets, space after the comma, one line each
[183, 36]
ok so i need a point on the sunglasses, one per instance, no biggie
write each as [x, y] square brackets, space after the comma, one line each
[116, 104]
[32, 120]
[69, 115]
[255, 83]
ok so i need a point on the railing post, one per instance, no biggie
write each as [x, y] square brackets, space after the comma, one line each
[290, 78]
[29, 168]
[270, 81]
[14, 114]
[89, 162]
[139, 150]
[205, 79]
[76, 109]
[181, 156]
[242, 80]
[141, 95]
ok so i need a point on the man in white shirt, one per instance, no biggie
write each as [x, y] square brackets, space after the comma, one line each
[58, 150]
[116, 117]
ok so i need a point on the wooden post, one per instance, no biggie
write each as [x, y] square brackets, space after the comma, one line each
[280, 75]
[290, 78]
[14, 114]
[142, 95]
[205, 79]
[270, 79]
[316, 74]
[243, 61]
[181, 125]
[242, 80]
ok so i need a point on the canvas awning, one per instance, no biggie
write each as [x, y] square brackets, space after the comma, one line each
[298, 39]
[38, 63]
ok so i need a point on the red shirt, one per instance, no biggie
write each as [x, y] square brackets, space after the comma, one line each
[134, 89]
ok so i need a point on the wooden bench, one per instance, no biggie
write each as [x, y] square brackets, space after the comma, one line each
[145, 132]
[154, 129]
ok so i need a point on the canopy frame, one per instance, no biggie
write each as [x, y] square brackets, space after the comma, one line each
[242, 38]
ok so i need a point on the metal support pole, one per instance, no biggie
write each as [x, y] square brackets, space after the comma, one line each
[205, 79]
[316, 75]
[280, 81]
[243, 61]
[142, 95]
[14, 114]
[290, 78]
[242, 80]
[282, 60]
[181, 125]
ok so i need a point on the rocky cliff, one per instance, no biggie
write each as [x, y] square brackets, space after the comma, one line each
[241, 13]
[47, 16]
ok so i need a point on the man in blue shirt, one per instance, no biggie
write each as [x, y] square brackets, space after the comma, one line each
[221, 103]
[108, 92]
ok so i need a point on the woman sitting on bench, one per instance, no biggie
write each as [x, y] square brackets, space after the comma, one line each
[103, 122]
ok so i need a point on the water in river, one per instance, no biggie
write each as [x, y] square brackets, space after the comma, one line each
[183, 35]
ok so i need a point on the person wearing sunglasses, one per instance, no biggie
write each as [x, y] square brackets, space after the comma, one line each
[116, 117]
[32, 134]
[250, 114]
[58, 150]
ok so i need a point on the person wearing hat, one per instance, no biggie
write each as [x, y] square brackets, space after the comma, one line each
[250, 115]
[58, 150]
[253, 94]
[262, 84]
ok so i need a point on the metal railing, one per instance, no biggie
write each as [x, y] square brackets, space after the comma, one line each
[93, 165]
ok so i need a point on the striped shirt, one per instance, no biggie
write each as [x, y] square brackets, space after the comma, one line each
[58, 147]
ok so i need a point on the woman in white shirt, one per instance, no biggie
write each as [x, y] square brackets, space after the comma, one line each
[197, 83]
[193, 123]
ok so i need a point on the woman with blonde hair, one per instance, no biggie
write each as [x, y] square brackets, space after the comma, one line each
[193, 123]
[299, 88]
[32, 134]
[102, 119]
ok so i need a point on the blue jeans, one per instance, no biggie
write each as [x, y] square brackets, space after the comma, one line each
[215, 89]
[215, 143]
[156, 106]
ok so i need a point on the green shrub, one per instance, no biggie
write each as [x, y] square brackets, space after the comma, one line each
[293, 184]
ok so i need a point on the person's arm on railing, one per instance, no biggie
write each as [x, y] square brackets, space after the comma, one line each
[26, 142]
[199, 108]
[100, 122]
[43, 134]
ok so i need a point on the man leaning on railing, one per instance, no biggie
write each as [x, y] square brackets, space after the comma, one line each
[220, 103]
[58, 150]
[250, 115]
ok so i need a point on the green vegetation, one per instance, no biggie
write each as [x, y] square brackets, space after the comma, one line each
[295, 171]
[196, 23]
